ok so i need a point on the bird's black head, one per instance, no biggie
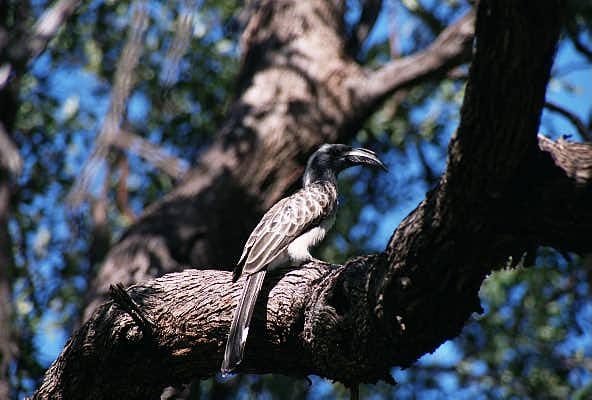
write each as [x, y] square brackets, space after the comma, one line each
[330, 159]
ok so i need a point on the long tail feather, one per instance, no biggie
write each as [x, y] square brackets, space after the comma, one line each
[239, 329]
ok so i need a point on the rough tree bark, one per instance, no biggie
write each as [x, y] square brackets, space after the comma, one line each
[505, 192]
[298, 87]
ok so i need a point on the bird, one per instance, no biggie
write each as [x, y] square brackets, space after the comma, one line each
[286, 233]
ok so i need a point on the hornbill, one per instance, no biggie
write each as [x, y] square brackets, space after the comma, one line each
[287, 231]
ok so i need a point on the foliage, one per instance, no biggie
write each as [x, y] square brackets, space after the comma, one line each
[64, 97]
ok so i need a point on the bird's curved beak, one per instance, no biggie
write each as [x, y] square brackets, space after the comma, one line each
[361, 156]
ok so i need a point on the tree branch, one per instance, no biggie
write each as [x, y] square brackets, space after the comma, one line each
[564, 186]
[154, 154]
[467, 226]
[48, 25]
[191, 312]
[451, 48]
[573, 31]
[360, 32]
[584, 131]
[169, 74]
[30, 45]
[124, 82]
[575, 159]
[10, 158]
[581, 47]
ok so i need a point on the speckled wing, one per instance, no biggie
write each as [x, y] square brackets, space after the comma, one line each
[285, 221]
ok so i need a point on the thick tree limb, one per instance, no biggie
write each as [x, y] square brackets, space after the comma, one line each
[451, 48]
[187, 308]
[309, 319]
[465, 228]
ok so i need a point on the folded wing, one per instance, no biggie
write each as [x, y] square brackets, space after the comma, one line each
[285, 221]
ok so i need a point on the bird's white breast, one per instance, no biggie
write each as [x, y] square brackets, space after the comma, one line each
[299, 249]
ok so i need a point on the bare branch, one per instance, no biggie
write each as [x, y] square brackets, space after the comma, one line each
[174, 167]
[451, 48]
[184, 26]
[124, 81]
[584, 131]
[582, 48]
[33, 44]
[573, 33]
[360, 32]
[427, 16]
[10, 157]
[122, 191]
[48, 25]
[190, 313]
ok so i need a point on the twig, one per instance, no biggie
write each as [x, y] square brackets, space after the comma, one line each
[154, 154]
[10, 158]
[451, 48]
[120, 296]
[124, 82]
[584, 132]
[370, 11]
[48, 25]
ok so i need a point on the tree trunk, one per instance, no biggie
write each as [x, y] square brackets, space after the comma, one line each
[497, 201]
